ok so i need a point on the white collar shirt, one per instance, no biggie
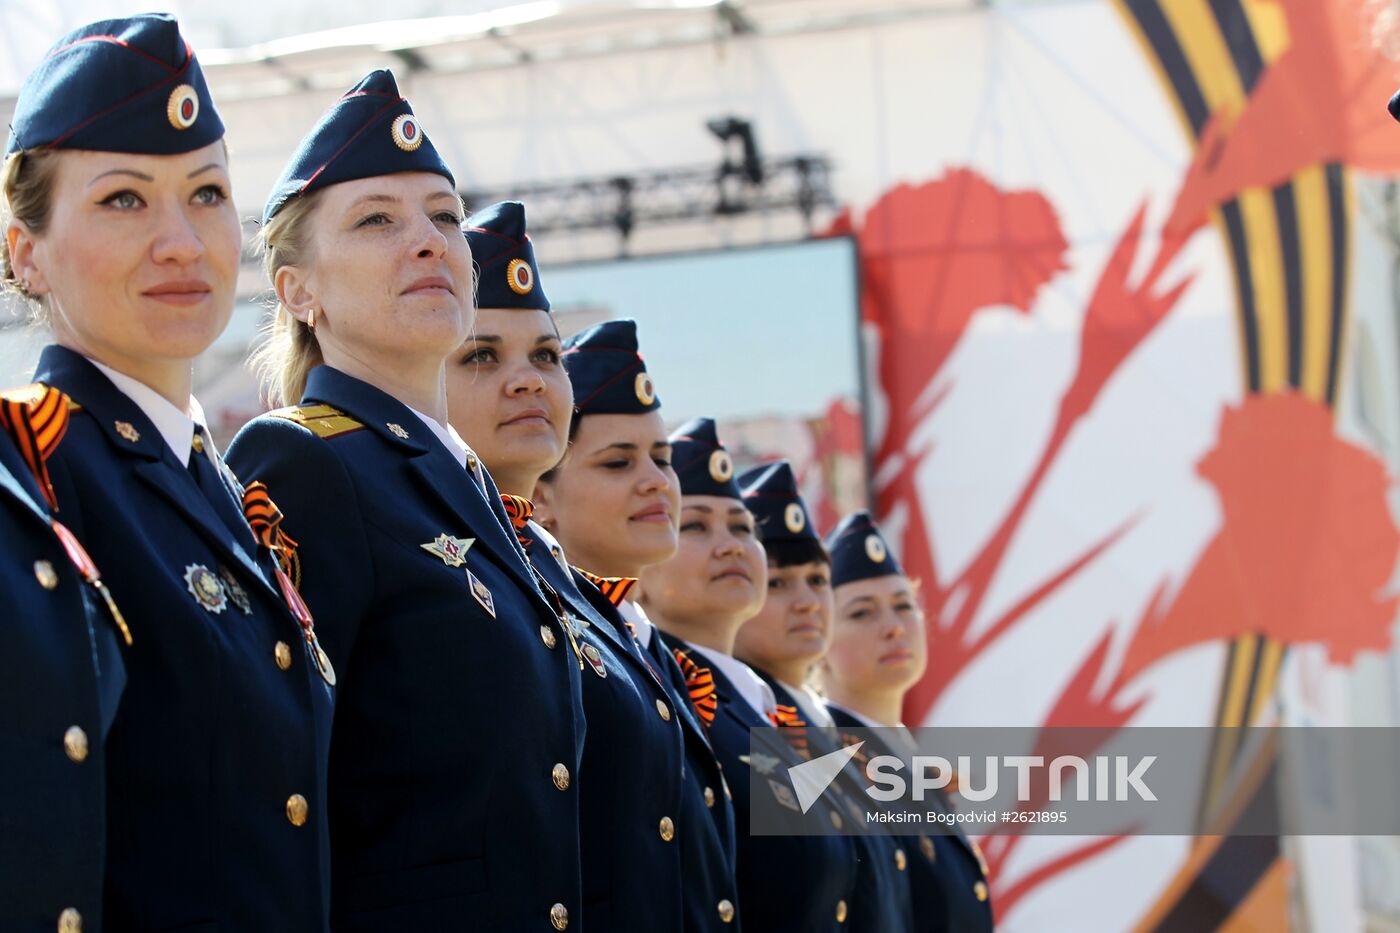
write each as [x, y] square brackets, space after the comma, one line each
[175, 427]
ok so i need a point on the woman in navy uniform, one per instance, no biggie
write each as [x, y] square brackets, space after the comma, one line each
[510, 398]
[698, 600]
[612, 502]
[458, 728]
[878, 652]
[791, 633]
[123, 231]
[62, 657]
[782, 643]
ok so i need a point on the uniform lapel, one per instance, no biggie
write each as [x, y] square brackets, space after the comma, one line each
[121, 420]
[173, 482]
[731, 702]
[434, 469]
[567, 585]
[569, 591]
[658, 648]
[845, 719]
[660, 652]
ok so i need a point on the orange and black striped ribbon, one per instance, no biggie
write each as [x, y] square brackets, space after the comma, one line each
[700, 681]
[36, 417]
[265, 518]
[616, 589]
[1290, 246]
[37, 420]
[787, 717]
[518, 509]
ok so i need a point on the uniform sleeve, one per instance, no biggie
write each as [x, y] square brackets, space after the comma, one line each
[321, 512]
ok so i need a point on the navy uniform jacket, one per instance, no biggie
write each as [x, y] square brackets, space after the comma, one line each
[787, 883]
[630, 777]
[946, 876]
[62, 671]
[458, 731]
[216, 758]
[711, 895]
[882, 902]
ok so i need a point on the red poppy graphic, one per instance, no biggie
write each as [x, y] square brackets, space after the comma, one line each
[1307, 546]
[1322, 100]
[933, 254]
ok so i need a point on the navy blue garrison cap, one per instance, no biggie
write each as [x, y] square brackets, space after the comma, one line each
[370, 131]
[502, 251]
[119, 85]
[1394, 105]
[701, 461]
[608, 373]
[858, 551]
[770, 492]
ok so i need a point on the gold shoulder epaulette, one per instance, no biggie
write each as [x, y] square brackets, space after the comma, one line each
[321, 420]
[32, 393]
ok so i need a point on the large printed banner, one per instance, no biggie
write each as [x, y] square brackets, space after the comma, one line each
[1277, 530]
[1111, 267]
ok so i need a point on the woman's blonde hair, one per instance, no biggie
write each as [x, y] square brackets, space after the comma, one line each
[26, 181]
[289, 350]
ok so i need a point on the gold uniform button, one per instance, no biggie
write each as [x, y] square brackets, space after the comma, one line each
[471, 465]
[663, 710]
[980, 889]
[726, 911]
[926, 847]
[45, 574]
[559, 917]
[836, 821]
[296, 810]
[198, 444]
[901, 861]
[840, 911]
[709, 797]
[75, 744]
[282, 654]
[667, 828]
[561, 778]
[70, 921]
[547, 636]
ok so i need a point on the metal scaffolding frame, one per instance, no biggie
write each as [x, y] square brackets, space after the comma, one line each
[623, 203]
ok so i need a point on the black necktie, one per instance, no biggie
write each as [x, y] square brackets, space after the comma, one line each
[206, 476]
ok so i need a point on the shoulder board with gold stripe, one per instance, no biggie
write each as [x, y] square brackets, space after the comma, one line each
[32, 393]
[321, 420]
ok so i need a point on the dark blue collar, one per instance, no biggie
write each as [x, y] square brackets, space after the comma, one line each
[844, 718]
[371, 406]
[731, 701]
[437, 472]
[116, 415]
[72, 373]
[780, 693]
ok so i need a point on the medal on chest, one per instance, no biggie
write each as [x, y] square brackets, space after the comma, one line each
[206, 588]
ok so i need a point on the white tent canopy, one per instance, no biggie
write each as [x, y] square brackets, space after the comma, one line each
[258, 46]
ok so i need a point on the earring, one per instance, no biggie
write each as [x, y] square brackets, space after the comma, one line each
[311, 320]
